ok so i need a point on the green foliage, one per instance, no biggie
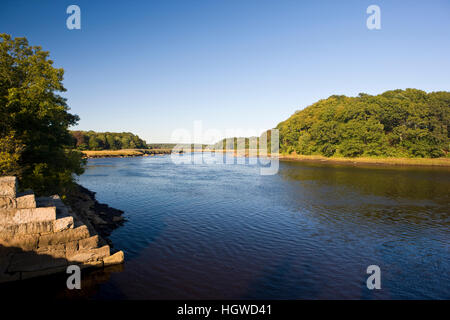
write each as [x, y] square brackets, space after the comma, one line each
[398, 123]
[10, 152]
[161, 145]
[34, 119]
[232, 143]
[90, 140]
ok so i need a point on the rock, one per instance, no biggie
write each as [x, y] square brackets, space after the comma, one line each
[24, 242]
[33, 242]
[35, 214]
[71, 248]
[26, 201]
[63, 224]
[101, 216]
[88, 243]
[26, 228]
[64, 236]
[30, 261]
[116, 258]
[90, 255]
[92, 264]
[44, 272]
[55, 251]
[8, 187]
[117, 219]
[96, 220]
[7, 203]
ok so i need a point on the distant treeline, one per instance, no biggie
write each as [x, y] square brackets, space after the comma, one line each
[232, 143]
[90, 140]
[397, 123]
[161, 145]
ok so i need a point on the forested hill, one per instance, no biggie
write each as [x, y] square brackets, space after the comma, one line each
[398, 123]
[90, 140]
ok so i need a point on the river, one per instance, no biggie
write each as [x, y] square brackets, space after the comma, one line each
[308, 232]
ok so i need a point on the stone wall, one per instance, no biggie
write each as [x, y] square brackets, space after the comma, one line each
[42, 236]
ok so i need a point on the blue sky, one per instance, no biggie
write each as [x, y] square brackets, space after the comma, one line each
[150, 67]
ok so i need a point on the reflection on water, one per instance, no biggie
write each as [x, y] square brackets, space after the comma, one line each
[309, 232]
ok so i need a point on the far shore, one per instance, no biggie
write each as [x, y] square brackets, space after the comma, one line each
[123, 153]
[433, 162]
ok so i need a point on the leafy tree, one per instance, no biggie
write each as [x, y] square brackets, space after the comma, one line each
[396, 123]
[107, 140]
[34, 119]
[10, 152]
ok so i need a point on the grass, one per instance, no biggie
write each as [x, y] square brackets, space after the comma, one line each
[124, 153]
[440, 162]
[436, 162]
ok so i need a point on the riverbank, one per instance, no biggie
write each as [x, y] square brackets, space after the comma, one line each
[124, 153]
[433, 162]
[101, 217]
[42, 236]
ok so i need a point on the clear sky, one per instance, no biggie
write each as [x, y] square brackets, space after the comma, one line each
[150, 67]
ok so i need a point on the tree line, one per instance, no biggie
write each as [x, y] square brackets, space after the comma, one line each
[396, 123]
[90, 140]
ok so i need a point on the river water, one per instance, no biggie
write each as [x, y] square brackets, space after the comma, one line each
[309, 232]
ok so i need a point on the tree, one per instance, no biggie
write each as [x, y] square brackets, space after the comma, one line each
[10, 152]
[34, 115]
[107, 140]
[396, 123]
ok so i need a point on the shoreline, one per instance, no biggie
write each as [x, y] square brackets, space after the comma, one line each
[101, 217]
[397, 162]
[42, 235]
[415, 162]
[124, 153]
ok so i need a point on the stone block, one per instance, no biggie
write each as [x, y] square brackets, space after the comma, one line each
[89, 243]
[7, 216]
[91, 255]
[7, 203]
[116, 258]
[63, 224]
[34, 214]
[81, 257]
[55, 251]
[64, 236]
[71, 248]
[31, 262]
[92, 264]
[45, 272]
[24, 242]
[102, 251]
[8, 187]
[26, 228]
[26, 201]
